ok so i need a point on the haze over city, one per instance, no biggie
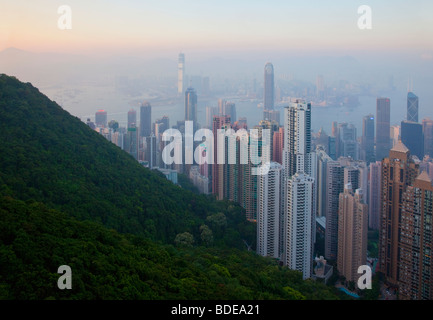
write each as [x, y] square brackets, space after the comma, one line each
[227, 41]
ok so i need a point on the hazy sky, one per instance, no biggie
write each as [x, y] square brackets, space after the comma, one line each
[167, 26]
[221, 39]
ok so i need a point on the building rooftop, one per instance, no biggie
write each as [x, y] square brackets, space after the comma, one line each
[424, 177]
[400, 147]
[411, 95]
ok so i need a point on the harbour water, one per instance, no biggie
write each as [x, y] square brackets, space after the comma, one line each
[89, 100]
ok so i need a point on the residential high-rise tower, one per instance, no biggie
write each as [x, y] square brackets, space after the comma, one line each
[268, 211]
[416, 265]
[398, 172]
[352, 233]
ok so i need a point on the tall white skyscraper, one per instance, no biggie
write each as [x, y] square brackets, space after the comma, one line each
[297, 153]
[298, 224]
[181, 74]
[268, 211]
[298, 203]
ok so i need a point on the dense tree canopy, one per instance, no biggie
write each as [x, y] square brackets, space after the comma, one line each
[36, 240]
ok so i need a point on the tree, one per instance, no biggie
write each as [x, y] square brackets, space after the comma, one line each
[206, 235]
[217, 220]
[185, 239]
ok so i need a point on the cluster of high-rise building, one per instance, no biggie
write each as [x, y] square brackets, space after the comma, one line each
[386, 177]
[405, 223]
[142, 140]
[342, 183]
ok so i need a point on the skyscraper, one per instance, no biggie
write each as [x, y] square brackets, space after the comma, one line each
[230, 109]
[131, 144]
[416, 265]
[340, 173]
[181, 73]
[298, 202]
[210, 113]
[346, 141]
[352, 233]
[367, 139]
[334, 128]
[412, 107]
[412, 137]
[374, 194]
[227, 108]
[383, 106]
[394, 135]
[320, 88]
[356, 173]
[132, 118]
[268, 101]
[398, 172]
[164, 124]
[145, 119]
[297, 153]
[278, 145]
[273, 127]
[101, 118]
[322, 159]
[427, 129]
[150, 150]
[203, 167]
[271, 115]
[332, 148]
[298, 223]
[191, 106]
[268, 211]
[334, 186]
[219, 122]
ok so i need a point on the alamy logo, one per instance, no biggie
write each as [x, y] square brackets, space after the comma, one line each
[364, 21]
[65, 281]
[65, 20]
[227, 141]
[364, 281]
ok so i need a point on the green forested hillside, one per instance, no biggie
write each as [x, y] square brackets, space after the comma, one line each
[69, 196]
[35, 241]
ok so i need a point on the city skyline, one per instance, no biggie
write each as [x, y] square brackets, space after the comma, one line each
[350, 146]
